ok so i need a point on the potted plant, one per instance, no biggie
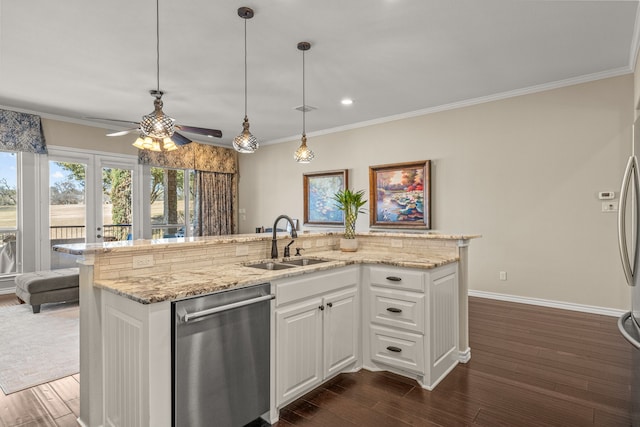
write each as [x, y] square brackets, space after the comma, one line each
[350, 203]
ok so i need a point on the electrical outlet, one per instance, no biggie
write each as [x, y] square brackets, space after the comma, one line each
[143, 261]
[396, 243]
[609, 207]
[503, 275]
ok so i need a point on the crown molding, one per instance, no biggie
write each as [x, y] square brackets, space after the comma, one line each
[467, 103]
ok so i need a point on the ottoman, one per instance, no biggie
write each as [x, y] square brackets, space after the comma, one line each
[41, 287]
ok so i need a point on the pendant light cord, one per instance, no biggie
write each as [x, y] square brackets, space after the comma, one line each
[158, 45]
[245, 68]
[304, 104]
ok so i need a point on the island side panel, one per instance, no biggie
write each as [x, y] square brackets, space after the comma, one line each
[137, 362]
[91, 410]
[463, 301]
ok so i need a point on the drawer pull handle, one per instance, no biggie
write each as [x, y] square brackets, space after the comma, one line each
[329, 304]
[394, 349]
[321, 308]
[394, 310]
[394, 278]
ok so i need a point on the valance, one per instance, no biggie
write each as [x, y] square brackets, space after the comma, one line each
[207, 158]
[21, 132]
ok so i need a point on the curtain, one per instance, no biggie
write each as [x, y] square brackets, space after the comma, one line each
[21, 132]
[201, 157]
[216, 183]
[215, 198]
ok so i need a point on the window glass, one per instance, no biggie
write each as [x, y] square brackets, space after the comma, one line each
[168, 203]
[8, 211]
[67, 209]
[117, 208]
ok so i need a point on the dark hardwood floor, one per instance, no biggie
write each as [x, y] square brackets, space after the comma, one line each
[530, 366]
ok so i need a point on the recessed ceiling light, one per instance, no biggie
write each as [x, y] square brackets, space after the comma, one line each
[347, 101]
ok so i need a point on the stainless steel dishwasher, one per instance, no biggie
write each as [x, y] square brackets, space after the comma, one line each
[221, 358]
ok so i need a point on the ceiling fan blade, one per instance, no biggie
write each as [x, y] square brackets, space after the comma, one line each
[123, 132]
[180, 139]
[102, 119]
[215, 133]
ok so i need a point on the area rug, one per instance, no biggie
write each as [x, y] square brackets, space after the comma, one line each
[38, 348]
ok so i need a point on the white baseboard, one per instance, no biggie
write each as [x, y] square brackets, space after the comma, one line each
[464, 356]
[549, 303]
[7, 291]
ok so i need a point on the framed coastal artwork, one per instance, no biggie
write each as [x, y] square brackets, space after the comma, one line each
[319, 188]
[400, 195]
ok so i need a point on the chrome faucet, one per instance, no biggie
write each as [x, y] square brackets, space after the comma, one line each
[274, 244]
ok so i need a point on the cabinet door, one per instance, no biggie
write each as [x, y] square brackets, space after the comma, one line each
[298, 348]
[340, 330]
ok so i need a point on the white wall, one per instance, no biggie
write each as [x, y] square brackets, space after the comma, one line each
[524, 172]
[64, 134]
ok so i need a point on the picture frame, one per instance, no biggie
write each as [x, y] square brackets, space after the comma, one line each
[319, 188]
[400, 195]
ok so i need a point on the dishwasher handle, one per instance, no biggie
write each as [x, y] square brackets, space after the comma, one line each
[188, 317]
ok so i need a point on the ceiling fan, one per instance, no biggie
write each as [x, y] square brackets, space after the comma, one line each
[158, 125]
[158, 130]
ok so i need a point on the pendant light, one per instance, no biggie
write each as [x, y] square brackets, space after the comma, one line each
[303, 154]
[245, 142]
[156, 128]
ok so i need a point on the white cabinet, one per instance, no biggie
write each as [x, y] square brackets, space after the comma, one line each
[340, 331]
[412, 321]
[317, 330]
[298, 348]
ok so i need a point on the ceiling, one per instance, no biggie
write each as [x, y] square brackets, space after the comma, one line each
[77, 58]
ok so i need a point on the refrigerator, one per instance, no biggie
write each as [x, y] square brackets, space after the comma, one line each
[629, 244]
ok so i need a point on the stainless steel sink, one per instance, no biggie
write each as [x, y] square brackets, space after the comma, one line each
[304, 261]
[271, 266]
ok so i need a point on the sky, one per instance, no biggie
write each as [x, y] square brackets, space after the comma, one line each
[8, 170]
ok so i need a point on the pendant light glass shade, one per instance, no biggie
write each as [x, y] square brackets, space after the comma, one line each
[303, 154]
[245, 142]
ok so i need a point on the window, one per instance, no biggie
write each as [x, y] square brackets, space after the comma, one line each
[172, 202]
[8, 212]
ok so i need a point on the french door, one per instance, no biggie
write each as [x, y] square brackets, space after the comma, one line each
[89, 198]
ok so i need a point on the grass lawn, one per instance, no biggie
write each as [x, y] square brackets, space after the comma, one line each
[68, 215]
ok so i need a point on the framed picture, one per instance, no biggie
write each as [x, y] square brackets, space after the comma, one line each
[319, 188]
[400, 195]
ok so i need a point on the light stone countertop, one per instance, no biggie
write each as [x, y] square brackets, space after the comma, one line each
[177, 285]
[185, 242]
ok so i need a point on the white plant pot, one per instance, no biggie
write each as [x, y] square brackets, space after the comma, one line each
[348, 245]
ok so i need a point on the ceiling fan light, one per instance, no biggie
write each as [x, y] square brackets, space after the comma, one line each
[147, 143]
[303, 154]
[245, 142]
[168, 144]
[157, 125]
[156, 145]
[139, 143]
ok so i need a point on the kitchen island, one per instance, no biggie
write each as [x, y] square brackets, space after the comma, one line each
[126, 290]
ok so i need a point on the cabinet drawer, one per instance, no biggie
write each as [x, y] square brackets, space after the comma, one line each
[397, 278]
[306, 286]
[397, 309]
[403, 350]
